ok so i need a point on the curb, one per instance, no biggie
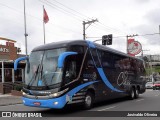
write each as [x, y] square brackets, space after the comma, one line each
[10, 104]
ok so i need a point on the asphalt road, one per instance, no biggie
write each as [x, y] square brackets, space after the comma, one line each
[149, 101]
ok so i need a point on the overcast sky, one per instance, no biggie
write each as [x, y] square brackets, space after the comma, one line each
[117, 17]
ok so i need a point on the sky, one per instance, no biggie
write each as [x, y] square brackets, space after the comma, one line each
[117, 17]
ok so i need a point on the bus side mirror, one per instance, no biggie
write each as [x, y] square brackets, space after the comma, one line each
[18, 60]
[62, 57]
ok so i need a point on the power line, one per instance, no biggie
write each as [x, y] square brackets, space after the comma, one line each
[131, 36]
[62, 10]
[84, 28]
[36, 18]
[72, 9]
[113, 29]
[80, 15]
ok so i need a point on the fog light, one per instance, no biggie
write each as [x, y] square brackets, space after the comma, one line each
[55, 103]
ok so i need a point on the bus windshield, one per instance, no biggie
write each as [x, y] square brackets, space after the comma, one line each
[41, 68]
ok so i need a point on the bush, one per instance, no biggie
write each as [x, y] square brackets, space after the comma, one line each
[18, 87]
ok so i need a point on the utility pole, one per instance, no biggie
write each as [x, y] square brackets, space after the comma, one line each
[25, 29]
[84, 26]
[159, 29]
[143, 51]
[127, 40]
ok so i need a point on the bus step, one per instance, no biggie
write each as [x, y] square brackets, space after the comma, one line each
[78, 98]
[77, 101]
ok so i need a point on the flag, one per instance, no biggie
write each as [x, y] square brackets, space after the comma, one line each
[45, 16]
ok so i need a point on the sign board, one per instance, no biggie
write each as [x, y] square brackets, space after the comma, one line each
[4, 50]
[134, 48]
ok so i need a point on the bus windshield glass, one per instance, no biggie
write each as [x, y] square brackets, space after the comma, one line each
[41, 68]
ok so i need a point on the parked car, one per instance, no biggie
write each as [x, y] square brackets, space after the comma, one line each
[149, 85]
[156, 85]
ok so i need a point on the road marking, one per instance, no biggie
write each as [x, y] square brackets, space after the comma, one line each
[157, 95]
[139, 100]
[5, 95]
[106, 108]
[149, 90]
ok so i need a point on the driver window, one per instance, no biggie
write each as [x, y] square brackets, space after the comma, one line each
[70, 70]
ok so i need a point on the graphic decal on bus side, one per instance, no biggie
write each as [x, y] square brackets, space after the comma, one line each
[100, 69]
[122, 79]
[60, 100]
[106, 81]
[75, 90]
[92, 76]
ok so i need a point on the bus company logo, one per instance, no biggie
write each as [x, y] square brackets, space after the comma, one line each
[122, 79]
[92, 76]
[21, 114]
[6, 114]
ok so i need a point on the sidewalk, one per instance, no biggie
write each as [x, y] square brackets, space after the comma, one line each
[8, 99]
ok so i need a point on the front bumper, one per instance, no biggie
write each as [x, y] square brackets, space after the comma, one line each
[57, 103]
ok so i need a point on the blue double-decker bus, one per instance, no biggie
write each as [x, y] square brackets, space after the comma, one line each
[79, 71]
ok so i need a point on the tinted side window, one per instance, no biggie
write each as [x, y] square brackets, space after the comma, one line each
[70, 69]
[73, 64]
[76, 48]
[107, 60]
[117, 61]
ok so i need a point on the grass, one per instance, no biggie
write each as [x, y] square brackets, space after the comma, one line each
[154, 69]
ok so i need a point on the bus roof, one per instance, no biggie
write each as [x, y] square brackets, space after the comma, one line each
[66, 43]
[60, 44]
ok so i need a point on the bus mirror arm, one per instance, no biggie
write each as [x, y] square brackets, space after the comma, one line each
[63, 56]
[18, 60]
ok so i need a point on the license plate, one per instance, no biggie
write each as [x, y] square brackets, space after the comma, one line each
[37, 103]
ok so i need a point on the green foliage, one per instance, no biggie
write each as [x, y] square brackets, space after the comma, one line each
[18, 87]
[155, 69]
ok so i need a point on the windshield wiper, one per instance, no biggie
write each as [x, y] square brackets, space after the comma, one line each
[53, 75]
[44, 80]
[34, 76]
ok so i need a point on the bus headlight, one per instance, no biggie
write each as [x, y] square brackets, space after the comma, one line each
[58, 93]
[55, 94]
[23, 93]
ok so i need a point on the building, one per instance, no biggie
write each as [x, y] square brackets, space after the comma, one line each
[8, 77]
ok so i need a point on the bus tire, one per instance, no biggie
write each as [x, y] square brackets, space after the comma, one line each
[132, 94]
[136, 93]
[88, 101]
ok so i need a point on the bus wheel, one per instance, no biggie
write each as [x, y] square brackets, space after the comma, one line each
[136, 93]
[88, 100]
[132, 94]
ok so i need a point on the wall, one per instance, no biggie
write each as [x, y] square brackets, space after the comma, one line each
[8, 52]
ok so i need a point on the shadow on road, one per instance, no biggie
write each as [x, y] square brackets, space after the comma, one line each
[77, 110]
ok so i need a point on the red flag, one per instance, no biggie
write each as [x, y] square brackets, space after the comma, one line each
[45, 16]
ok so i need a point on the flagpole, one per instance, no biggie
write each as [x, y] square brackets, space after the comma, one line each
[44, 27]
[25, 29]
